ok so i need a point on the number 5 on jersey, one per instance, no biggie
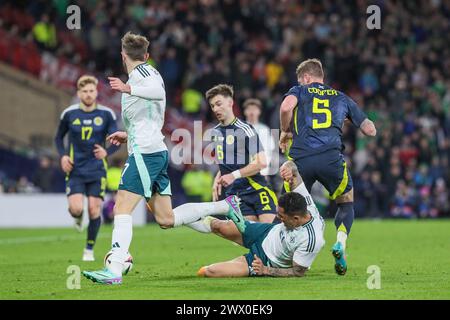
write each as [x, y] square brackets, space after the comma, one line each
[321, 106]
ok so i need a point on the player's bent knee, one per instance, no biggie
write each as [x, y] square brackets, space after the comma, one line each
[346, 197]
[216, 225]
[76, 211]
[165, 222]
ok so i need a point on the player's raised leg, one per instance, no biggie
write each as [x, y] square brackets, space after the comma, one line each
[188, 213]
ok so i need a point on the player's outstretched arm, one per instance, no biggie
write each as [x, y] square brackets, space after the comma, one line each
[149, 89]
[112, 128]
[289, 173]
[286, 109]
[259, 163]
[66, 162]
[117, 138]
[368, 128]
[260, 269]
[217, 188]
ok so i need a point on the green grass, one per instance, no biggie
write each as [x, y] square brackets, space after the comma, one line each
[414, 258]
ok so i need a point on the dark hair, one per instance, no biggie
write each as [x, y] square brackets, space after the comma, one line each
[222, 89]
[293, 203]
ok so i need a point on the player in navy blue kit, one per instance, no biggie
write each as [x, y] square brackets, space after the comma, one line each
[318, 113]
[87, 125]
[241, 157]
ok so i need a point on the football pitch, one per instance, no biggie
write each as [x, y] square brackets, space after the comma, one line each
[413, 259]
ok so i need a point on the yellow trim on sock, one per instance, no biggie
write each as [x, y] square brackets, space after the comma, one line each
[342, 228]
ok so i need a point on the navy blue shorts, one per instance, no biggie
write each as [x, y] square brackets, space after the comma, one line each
[252, 238]
[93, 188]
[262, 201]
[329, 168]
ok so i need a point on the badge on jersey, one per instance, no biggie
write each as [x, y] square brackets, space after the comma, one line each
[230, 139]
[98, 121]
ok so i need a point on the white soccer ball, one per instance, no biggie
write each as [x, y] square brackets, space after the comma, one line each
[128, 265]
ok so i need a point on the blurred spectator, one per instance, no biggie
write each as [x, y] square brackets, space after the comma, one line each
[426, 207]
[191, 101]
[441, 197]
[25, 186]
[404, 201]
[44, 32]
[43, 177]
[108, 208]
[197, 184]
[252, 112]
[113, 175]
[399, 74]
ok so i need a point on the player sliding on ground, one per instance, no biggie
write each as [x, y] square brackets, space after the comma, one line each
[276, 249]
[145, 172]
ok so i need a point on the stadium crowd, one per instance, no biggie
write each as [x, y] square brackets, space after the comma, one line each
[399, 74]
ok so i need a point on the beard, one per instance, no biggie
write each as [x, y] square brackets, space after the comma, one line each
[88, 102]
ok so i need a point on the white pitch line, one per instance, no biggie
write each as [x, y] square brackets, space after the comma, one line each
[22, 240]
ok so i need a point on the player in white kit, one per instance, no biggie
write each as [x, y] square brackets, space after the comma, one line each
[276, 249]
[145, 172]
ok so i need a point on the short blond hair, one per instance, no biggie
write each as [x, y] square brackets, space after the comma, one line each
[85, 80]
[222, 89]
[135, 46]
[311, 66]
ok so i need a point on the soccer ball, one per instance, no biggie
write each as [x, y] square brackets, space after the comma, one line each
[128, 265]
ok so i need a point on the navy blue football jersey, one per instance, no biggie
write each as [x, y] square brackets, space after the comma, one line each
[319, 117]
[85, 129]
[235, 147]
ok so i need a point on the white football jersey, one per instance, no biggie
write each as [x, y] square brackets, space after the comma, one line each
[265, 136]
[301, 245]
[143, 110]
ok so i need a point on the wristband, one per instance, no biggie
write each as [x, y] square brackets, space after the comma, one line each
[236, 174]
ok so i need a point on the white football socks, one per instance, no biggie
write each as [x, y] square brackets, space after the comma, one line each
[203, 226]
[121, 240]
[342, 238]
[192, 212]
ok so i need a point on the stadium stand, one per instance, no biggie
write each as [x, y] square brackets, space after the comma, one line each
[400, 74]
